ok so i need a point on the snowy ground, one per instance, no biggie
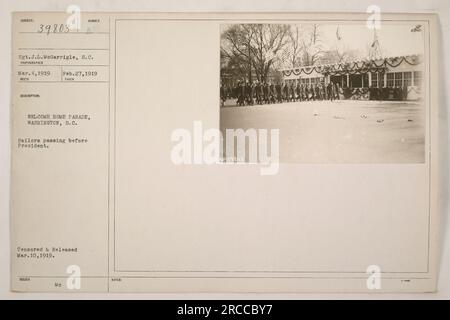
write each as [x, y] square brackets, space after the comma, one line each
[339, 131]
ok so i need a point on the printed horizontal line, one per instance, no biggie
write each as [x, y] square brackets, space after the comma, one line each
[62, 65]
[209, 277]
[293, 19]
[269, 271]
[63, 33]
[63, 49]
[63, 81]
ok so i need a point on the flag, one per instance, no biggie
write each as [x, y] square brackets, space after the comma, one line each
[338, 33]
[340, 45]
[375, 48]
[375, 38]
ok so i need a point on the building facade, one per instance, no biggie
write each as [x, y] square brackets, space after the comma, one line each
[394, 78]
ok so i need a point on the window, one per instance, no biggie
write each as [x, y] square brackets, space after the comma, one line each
[398, 79]
[381, 80]
[418, 78]
[365, 80]
[390, 79]
[407, 80]
[375, 79]
[313, 80]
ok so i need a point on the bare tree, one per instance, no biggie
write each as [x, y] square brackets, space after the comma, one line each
[268, 42]
[312, 46]
[334, 56]
[291, 56]
[257, 46]
[236, 47]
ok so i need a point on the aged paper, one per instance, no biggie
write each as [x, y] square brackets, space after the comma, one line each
[224, 152]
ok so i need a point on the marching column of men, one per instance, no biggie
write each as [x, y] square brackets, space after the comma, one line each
[268, 93]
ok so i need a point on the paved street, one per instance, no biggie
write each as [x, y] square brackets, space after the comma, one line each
[340, 131]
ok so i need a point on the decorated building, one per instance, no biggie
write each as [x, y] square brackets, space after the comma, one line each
[394, 78]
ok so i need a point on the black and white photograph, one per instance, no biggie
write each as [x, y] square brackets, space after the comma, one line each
[338, 93]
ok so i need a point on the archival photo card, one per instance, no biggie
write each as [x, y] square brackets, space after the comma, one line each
[224, 152]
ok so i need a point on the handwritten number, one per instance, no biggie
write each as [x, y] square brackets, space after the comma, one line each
[55, 28]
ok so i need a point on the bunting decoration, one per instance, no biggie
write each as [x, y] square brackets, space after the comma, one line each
[358, 67]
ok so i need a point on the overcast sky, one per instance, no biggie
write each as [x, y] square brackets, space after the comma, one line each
[394, 39]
